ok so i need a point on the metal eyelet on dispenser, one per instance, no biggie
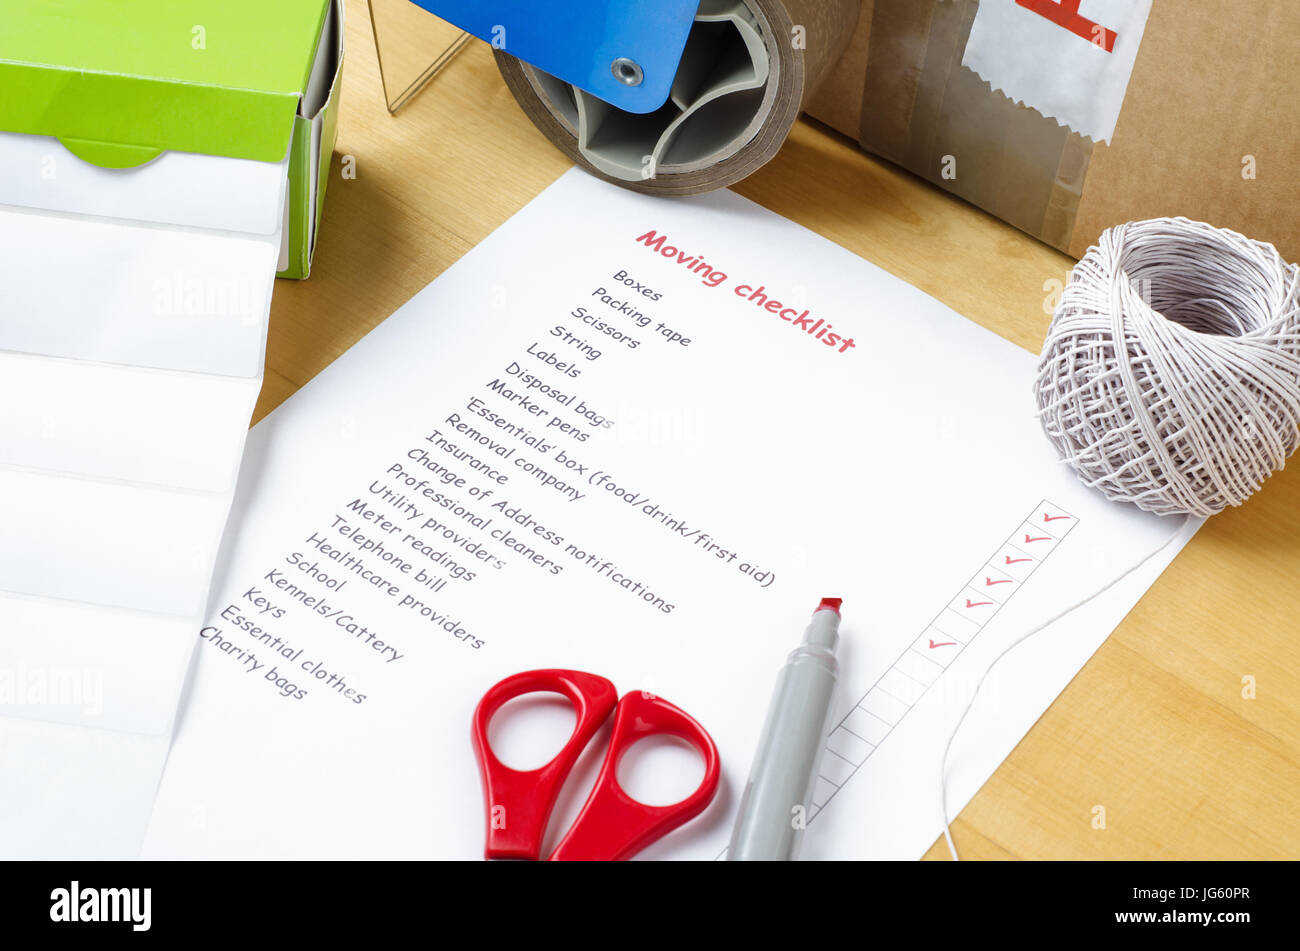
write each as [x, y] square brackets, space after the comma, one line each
[627, 71]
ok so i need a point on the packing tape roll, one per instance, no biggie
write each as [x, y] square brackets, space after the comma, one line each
[748, 69]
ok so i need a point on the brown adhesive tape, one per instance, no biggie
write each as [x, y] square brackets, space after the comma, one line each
[730, 136]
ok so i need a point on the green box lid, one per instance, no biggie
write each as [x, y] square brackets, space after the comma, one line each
[119, 81]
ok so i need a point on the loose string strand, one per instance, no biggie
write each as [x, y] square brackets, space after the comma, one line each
[970, 704]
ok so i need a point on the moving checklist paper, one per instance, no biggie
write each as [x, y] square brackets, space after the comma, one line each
[643, 439]
[134, 307]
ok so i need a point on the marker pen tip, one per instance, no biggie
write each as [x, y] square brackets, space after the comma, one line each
[831, 603]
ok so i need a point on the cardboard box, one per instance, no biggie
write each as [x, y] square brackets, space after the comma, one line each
[119, 84]
[315, 128]
[1205, 124]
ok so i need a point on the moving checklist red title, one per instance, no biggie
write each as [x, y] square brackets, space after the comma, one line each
[758, 295]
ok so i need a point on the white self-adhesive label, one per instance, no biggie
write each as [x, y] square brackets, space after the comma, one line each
[1069, 59]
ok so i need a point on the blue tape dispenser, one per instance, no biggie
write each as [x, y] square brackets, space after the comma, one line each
[670, 96]
[622, 51]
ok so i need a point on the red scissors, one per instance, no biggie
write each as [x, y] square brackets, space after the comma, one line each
[612, 825]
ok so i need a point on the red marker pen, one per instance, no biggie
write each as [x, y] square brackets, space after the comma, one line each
[774, 807]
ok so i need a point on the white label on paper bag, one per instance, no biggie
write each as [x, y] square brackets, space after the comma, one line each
[1069, 59]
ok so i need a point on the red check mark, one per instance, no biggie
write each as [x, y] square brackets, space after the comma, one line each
[1053, 518]
[976, 604]
[933, 645]
[989, 582]
[1014, 561]
[1037, 538]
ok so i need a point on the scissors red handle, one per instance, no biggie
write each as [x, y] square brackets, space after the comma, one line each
[519, 802]
[613, 825]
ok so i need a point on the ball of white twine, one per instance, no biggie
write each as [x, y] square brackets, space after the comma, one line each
[1170, 376]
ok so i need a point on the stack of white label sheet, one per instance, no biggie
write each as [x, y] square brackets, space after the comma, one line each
[133, 311]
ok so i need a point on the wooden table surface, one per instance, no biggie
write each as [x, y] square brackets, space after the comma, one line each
[1155, 728]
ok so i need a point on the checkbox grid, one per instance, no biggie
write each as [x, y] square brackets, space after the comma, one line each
[1017, 556]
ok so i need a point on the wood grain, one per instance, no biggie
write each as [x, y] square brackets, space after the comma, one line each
[1154, 728]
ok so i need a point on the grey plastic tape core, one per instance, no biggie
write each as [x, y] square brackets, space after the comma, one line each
[717, 104]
